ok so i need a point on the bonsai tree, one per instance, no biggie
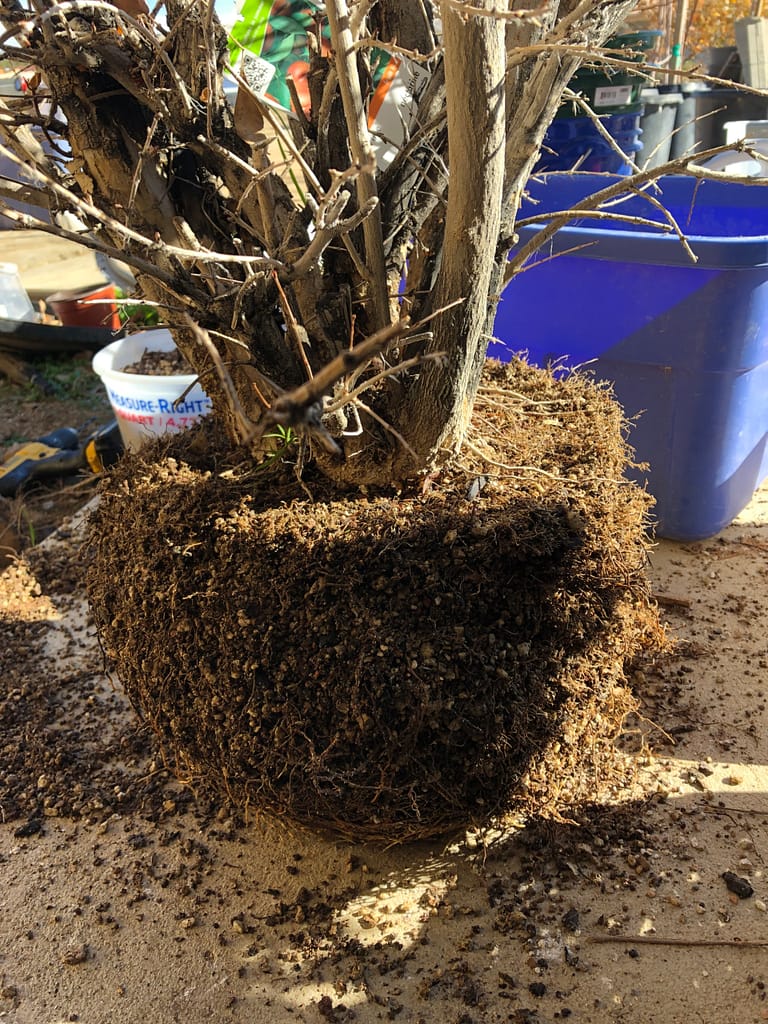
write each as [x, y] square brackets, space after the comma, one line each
[440, 631]
[295, 271]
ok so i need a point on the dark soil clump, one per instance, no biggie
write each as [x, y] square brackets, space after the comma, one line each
[388, 665]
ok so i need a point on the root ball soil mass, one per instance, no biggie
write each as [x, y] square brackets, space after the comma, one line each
[388, 665]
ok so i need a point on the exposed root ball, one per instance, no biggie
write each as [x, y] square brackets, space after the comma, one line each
[389, 665]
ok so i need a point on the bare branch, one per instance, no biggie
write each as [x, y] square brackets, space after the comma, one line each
[672, 223]
[636, 183]
[88, 210]
[368, 42]
[388, 427]
[295, 330]
[301, 409]
[290, 406]
[243, 425]
[358, 15]
[594, 215]
[467, 10]
[362, 153]
[391, 371]
[600, 128]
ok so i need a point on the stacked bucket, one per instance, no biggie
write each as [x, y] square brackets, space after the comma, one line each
[574, 142]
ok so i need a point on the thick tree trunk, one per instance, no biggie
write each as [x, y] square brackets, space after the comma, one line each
[439, 406]
[496, 124]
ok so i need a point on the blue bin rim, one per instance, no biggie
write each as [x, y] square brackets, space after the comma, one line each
[643, 245]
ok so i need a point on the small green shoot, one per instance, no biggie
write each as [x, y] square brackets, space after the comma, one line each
[283, 438]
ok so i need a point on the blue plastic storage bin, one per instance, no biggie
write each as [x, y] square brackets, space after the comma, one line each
[576, 140]
[686, 345]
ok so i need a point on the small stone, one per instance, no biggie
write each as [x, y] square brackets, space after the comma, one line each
[737, 885]
[29, 828]
[572, 920]
[760, 905]
[325, 1007]
[76, 955]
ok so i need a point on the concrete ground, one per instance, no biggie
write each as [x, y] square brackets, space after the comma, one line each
[48, 264]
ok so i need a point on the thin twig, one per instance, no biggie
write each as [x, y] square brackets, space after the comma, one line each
[602, 131]
[388, 427]
[632, 183]
[672, 223]
[211, 80]
[27, 221]
[469, 10]
[368, 42]
[391, 371]
[362, 153]
[657, 940]
[88, 210]
[312, 391]
[143, 153]
[595, 215]
[301, 408]
[296, 331]
[242, 423]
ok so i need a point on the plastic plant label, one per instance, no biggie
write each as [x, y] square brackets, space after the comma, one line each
[257, 72]
[273, 34]
[394, 104]
[612, 96]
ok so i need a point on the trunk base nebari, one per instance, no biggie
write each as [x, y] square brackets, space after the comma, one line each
[389, 665]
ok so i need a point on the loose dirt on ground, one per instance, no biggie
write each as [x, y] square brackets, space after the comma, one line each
[128, 896]
[649, 906]
[27, 414]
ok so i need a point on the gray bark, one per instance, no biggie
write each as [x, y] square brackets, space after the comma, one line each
[475, 99]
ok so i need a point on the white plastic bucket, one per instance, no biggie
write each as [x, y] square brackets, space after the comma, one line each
[15, 304]
[148, 405]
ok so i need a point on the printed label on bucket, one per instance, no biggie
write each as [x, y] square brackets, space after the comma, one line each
[159, 415]
[613, 96]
